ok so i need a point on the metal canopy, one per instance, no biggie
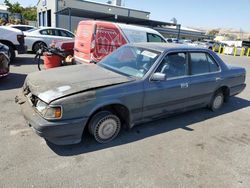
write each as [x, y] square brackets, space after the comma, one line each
[111, 17]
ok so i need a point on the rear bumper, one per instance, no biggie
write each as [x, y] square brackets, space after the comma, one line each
[237, 89]
[21, 49]
[62, 132]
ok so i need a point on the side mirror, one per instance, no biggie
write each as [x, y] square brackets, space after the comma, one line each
[158, 77]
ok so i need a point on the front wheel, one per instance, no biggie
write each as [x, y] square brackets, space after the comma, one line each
[104, 126]
[217, 101]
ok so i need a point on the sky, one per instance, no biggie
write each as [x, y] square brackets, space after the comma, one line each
[193, 13]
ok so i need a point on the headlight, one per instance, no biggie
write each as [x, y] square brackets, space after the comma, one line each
[49, 112]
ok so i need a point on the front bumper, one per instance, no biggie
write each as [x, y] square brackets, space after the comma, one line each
[60, 132]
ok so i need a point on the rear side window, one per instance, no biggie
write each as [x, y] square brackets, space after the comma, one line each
[154, 38]
[202, 63]
[65, 34]
[69, 34]
[47, 32]
[199, 63]
[213, 65]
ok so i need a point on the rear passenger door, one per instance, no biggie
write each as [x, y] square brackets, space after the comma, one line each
[204, 77]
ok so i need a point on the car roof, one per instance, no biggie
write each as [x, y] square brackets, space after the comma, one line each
[123, 26]
[42, 27]
[19, 25]
[161, 47]
[137, 28]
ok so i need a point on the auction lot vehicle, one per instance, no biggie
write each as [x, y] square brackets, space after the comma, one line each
[14, 39]
[203, 44]
[96, 39]
[45, 36]
[135, 84]
[4, 60]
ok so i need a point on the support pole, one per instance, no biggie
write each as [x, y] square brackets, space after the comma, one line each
[69, 19]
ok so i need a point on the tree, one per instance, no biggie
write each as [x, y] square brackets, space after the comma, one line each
[29, 13]
[214, 32]
[13, 8]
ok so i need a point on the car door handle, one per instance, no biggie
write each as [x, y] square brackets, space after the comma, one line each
[217, 78]
[184, 85]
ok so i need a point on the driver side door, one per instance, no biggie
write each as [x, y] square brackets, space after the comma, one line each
[170, 95]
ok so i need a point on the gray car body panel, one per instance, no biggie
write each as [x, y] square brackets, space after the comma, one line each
[55, 83]
[145, 99]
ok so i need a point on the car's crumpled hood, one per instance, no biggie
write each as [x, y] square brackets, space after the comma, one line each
[59, 82]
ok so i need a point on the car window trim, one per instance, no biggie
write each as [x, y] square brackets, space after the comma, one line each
[213, 61]
[187, 51]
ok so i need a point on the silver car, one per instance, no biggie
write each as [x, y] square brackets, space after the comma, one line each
[135, 84]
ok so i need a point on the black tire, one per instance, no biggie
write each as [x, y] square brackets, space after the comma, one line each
[104, 126]
[217, 101]
[12, 53]
[37, 46]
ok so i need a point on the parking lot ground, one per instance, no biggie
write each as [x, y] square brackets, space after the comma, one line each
[195, 149]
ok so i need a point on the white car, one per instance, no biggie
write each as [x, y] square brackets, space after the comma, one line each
[45, 36]
[14, 39]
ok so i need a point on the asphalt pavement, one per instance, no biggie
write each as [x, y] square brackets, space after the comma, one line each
[195, 149]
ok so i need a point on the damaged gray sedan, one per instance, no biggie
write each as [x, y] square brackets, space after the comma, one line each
[135, 84]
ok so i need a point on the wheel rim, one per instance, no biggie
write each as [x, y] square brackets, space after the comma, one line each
[107, 128]
[218, 100]
[38, 46]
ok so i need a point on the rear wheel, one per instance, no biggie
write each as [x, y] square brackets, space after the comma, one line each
[104, 126]
[11, 53]
[217, 101]
[37, 46]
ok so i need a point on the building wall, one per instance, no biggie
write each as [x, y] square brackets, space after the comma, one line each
[64, 22]
[103, 8]
[44, 6]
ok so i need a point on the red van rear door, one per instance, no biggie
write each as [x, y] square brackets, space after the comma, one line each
[83, 39]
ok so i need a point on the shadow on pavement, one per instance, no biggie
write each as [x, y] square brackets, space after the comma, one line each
[12, 81]
[140, 132]
[20, 60]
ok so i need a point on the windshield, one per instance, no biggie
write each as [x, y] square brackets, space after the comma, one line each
[130, 60]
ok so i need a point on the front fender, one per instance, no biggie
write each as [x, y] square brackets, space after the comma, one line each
[102, 104]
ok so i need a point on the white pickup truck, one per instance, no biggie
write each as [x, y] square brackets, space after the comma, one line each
[14, 39]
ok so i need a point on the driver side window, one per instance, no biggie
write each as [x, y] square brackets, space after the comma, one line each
[174, 65]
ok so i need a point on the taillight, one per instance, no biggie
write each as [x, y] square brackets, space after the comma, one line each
[92, 47]
[20, 39]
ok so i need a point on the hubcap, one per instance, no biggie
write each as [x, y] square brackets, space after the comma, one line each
[218, 101]
[107, 129]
